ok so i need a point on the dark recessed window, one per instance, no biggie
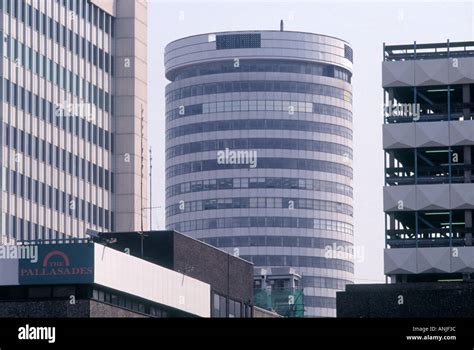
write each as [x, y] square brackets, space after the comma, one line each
[63, 291]
[238, 41]
[348, 52]
[39, 292]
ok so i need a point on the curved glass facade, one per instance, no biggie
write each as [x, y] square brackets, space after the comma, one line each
[263, 163]
[262, 143]
[259, 202]
[262, 221]
[258, 124]
[257, 105]
[260, 163]
[213, 184]
[273, 241]
[280, 66]
[258, 85]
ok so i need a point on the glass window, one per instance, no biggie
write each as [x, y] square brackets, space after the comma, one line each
[236, 183]
[223, 306]
[278, 105]
[217, 306]
[252, 105]
[269, 105]
[235, 106]
[238, 309]
[253, 202]
[212, 107]
[234, 308]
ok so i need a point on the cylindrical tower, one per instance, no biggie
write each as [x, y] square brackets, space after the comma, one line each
[259, 152]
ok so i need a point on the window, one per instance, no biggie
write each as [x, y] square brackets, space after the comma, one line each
[219, 308]
[348, 52]
[39, 292]
[238, 41]
[248, 311]
[216, 306]
[235, 308]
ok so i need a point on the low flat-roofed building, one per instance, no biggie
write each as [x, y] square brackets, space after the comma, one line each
[108, 276]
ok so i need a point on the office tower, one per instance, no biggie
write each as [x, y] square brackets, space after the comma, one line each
[259, 152]
[428, 137]
[73, 117]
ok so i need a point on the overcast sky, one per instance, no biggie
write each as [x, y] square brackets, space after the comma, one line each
[365, 25]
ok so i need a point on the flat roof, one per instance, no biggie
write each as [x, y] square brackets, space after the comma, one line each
[93, 263]
[259, 31]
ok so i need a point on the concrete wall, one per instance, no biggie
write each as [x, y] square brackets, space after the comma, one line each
[429, 260]
[431, 300]
[131, 171]
[106, 5]
[46, 308]
[62, 309]
[428, 72]
[98, 309]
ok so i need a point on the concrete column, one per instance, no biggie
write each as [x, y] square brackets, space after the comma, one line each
[391, 221]
[468, 220]
[130, 136]
[467, 161]
[466, 98]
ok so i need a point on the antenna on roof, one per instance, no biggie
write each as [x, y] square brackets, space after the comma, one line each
[282, 26]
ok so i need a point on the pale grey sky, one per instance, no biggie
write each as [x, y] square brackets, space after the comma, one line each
[365, 25]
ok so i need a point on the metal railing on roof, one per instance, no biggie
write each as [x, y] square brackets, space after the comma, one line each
[55, 241]
[428, 51]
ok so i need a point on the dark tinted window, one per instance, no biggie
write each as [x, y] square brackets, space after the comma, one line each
[238, 41]
[348, 52]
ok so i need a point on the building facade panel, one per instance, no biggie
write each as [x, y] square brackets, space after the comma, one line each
[58, 94]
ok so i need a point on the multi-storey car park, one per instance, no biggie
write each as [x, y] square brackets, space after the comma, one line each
[428, 139]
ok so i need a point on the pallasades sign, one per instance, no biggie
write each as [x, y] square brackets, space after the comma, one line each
[58, 264]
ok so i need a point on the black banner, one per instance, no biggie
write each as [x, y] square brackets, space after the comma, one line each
[333, 333]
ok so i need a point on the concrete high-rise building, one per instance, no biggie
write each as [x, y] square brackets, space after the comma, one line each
[259, 152]
[73, 91]
[428, 142]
